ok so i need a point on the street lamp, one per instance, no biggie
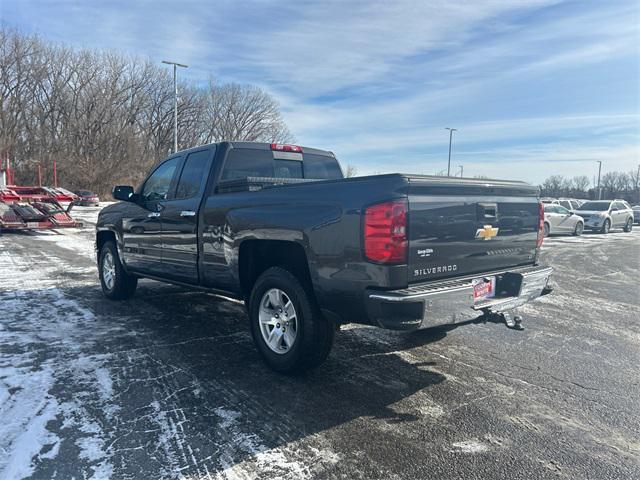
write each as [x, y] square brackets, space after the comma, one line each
[175, 101]
[451, 130]
[599, 170]
[461, 170]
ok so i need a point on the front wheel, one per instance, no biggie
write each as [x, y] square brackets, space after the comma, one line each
[286, 325]
[577, 231]
[547, 229]
[629, 225]
[606, 226]
[116, 283]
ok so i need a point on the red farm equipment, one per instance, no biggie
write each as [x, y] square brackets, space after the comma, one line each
[33, 208]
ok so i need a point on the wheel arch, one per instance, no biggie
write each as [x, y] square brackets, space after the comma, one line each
[104, 235]
[256, 255]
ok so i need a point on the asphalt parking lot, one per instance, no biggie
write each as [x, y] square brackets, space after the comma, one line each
[168, 384]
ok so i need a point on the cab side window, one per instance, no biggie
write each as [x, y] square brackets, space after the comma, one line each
[193, 175]
[157, 186]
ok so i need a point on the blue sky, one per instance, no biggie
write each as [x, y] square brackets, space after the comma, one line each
[535, 87]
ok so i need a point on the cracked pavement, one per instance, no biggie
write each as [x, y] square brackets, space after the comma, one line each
[168, 384]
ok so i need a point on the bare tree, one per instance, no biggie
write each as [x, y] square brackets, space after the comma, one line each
[106, 118]
[580, 185]
[553, 186]
[351, 171]
[243, 112]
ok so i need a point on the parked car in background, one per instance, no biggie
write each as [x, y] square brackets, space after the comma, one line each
[87, 199]
[549, 200]
[603, 215]
[558, 219]
[636, 213]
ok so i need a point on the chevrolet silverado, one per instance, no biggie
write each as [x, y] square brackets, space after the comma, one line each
[278, 227]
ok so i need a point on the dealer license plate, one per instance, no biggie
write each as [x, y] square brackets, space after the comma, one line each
[484, 288]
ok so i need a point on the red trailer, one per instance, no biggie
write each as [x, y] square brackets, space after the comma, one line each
[35, 208]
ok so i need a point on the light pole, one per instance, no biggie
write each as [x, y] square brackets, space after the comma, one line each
[638, 183]
[599, 171]
[451, 130]
[175, 101]
[461, 170]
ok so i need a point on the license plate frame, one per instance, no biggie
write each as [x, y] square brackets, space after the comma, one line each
[484, 288]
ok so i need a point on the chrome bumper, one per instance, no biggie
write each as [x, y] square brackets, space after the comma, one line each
[446, 302]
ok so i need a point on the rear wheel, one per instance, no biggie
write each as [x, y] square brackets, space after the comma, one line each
[547, 229]
[287, 327]
[116, 283]
[629, 225]
[577, 231]
[606, 226]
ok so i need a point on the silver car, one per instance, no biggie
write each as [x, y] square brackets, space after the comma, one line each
[558, 219]
[603, 215]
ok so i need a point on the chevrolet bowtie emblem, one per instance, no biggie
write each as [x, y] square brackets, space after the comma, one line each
[487, 232]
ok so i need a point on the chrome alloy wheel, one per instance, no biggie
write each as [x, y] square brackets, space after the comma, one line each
[278, 321]
[109, 271]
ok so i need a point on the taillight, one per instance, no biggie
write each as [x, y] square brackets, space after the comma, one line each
[540, 225]
[280, 147]
[385, 232]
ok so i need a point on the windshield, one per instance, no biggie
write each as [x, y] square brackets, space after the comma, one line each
[598, 206]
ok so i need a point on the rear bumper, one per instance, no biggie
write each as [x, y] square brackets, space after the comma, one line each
[446, 302]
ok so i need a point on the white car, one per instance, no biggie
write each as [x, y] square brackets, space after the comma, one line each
[558, 219]
[603, 215]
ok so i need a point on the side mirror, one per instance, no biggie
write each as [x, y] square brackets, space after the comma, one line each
[124, 193]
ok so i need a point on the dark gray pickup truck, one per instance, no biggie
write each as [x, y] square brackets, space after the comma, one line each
[308, 250]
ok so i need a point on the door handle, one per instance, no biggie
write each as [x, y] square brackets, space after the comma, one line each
[153, 215]
[187, 213]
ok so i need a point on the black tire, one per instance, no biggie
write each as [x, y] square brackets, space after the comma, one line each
[606, 226]
[579, 228]
[547, 229]
[314, 333]
[124, 285]
[629, 225]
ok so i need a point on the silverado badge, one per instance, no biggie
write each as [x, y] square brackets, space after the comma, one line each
[487, 232]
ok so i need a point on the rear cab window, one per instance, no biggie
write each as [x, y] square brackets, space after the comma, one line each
[248, 162]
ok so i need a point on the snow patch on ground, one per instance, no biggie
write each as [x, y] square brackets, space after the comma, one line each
[285, 462]
[36, 318]
[469, 446]
[25, 408]
[71, 239]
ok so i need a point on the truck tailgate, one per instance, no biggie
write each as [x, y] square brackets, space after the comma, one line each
[463, 227]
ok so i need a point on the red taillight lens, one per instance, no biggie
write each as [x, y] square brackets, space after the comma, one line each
[385, 232]
[540, 225]
[286, 148]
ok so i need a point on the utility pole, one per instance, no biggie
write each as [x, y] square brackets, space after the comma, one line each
[599, 171]
[175, 101]
[461, 170]
[451, 130]
[638, 183]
